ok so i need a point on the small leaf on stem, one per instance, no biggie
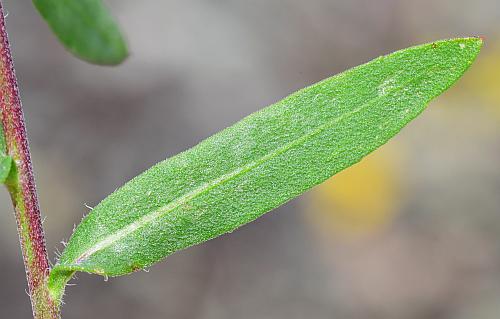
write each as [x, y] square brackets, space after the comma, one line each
[5, 168]
[5, 160]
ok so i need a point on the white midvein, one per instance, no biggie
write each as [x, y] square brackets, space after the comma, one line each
[146, 219]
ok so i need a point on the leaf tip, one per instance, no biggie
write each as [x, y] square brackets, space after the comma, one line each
[86, 29]
[473, 43]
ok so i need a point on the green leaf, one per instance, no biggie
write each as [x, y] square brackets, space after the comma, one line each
[5, 160]
[5, 168]
[261, 162]
[86, 28]
[3, 146]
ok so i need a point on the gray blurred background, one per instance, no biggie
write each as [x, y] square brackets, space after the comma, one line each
[413, 231]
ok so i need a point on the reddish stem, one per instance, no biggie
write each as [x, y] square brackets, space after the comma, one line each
[21, 185]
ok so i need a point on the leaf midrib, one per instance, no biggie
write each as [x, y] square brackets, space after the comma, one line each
[146, 219]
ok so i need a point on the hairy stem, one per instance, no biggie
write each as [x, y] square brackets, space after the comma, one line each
[21, 186]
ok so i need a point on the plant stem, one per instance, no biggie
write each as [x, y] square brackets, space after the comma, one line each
[21, 186]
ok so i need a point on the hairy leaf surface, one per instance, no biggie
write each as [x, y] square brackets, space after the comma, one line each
[86, 28]
[261, 162]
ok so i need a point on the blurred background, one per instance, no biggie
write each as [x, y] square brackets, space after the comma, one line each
[413, 231]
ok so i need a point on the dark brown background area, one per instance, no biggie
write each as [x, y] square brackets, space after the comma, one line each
[411, 232]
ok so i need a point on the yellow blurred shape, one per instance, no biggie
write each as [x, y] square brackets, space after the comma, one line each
[359, 200]
[484, 76]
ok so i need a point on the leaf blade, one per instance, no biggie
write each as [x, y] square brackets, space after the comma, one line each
[262, 161]
[86, 29]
